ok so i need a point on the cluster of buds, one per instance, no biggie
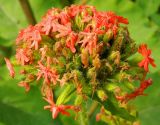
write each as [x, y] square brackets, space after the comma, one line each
[87, 53]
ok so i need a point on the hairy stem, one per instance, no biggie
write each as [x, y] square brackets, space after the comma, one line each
[28, 11]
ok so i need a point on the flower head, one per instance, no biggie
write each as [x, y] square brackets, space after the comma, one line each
[80, 49]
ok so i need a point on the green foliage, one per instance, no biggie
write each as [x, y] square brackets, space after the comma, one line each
[19, 108]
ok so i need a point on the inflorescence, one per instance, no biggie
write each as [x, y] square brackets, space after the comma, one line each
[88, 52]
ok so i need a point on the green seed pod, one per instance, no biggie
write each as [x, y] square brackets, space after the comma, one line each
[77, 62]
[102, 95]
[91, 72]
[107, 36]
[63, 97]
[115, 57]
[78, 100]
[79, 23]
[110, 87]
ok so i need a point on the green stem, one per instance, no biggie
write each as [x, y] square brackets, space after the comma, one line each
[28, 11]
[92, 109]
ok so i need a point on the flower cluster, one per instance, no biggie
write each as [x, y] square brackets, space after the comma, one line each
[85, 52]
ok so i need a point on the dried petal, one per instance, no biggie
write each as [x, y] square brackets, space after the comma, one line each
[10, 67]
[25, 85]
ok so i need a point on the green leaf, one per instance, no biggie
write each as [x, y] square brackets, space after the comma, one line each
[20, 108]
[11, 115]
[12, 19]
[5, 42]
[153, 44]
[149, 7]
[149, 106]
[156, 18]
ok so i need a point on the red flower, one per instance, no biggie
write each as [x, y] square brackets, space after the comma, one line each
[89, 41]
[10, 67]
[86, 16]
[100, 115]
[54, 108]
[108, 20]
[49, 22]
[71, 40]
[35, 38]
[58, 109]
[32, 35]
[22, 56]
[64, 17]
[25, 85]
[49, 75]
[63, 30]
[87, 28]
[67, 31]
[23, 35]
[74, 10]
[48, 25]
[139, 91]
[122, 20]
[43, 51]
[147, 59]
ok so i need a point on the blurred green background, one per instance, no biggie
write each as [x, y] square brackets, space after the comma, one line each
[20, 108]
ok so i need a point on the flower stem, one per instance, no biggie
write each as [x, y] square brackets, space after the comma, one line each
[92, 109]
[28, 11]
